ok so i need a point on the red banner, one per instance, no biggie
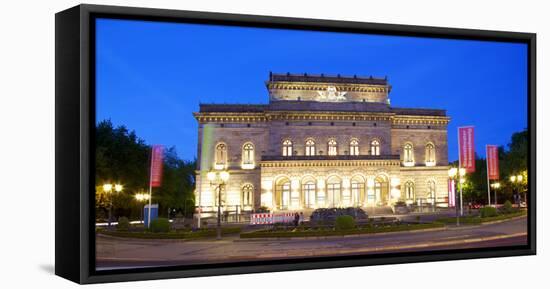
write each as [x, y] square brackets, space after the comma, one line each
[466, 148]
[156, 165]
[492, 162]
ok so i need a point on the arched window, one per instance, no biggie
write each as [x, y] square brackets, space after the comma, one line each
[248, 156]
[287, 148]
[310, 147]
[332, 148]
[431, 191]
[354, 147]
[408, 154]
[409, 191]
[357, 191]
[247, 195]
[284, 190]
[430, 154]
[309, 194]
[375, 148]
[220, 161]
[334, 190]
[377, 190]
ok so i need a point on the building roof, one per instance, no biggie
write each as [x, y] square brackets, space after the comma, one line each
[418, 111]
[305, 77]
[232, 107]
[313, 106]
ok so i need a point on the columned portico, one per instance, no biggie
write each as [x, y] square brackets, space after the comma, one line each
[307, 182]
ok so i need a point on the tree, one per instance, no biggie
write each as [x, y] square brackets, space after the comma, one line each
[178, 183]
[512, 161]
[122, 157]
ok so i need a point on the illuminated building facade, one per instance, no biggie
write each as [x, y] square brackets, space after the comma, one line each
[322, 141]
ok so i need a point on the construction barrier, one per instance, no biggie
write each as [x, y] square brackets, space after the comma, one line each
[261, 219]
[271, 218]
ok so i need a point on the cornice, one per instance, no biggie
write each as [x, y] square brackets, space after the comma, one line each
[321, 86]
[229, 117]
[247, 117]
[416, 119]
[330, 163]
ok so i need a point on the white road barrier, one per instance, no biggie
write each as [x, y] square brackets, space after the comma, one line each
[271, 218]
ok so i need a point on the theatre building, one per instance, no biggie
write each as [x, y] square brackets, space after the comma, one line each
[321, 141]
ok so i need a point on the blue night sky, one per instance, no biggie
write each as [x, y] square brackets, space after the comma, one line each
[151, 76]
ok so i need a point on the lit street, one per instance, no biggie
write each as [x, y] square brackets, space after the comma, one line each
[127, 253]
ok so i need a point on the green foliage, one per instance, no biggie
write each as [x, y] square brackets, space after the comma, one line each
[345, 223]
[486, 212]
[206, 233]
[512, 161]
[122, 157]
[262, 209]
[123, 224]
[475, 220]
[160, 225]
[507, 208]
[400, 204]
[355, 231]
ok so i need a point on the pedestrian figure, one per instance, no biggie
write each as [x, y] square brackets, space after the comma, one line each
[296, 219]
[301, 218]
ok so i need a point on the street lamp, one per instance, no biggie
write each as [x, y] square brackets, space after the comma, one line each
[141, 197]
[459, 173]
[452, 176]
[108, 188]
[462, 180]
[218, 179]
[516, 183]
[495, 187]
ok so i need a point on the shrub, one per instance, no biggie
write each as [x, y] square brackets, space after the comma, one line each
[400, 204]
[160, 225]
[507, 208]
[330, 214]
[262, 209]
[345, 222]
[123, 224]
[486, 212]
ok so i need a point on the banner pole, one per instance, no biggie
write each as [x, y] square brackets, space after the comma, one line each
[150, 187]
[459, 176]
[488, 186]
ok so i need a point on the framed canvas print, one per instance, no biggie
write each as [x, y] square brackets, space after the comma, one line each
[196, 144]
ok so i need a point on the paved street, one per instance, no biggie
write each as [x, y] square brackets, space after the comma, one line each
[128, 253]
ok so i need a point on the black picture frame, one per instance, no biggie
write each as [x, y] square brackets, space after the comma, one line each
[74, 150]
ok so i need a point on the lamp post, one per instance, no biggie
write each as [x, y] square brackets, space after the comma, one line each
[108, 188]
[495, 187]
[218, 179]
[452, 176]
[516, 183]
[459, 173]
[141, 197]
[461, 181]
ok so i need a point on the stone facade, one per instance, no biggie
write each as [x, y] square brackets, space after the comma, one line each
[322, 141]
